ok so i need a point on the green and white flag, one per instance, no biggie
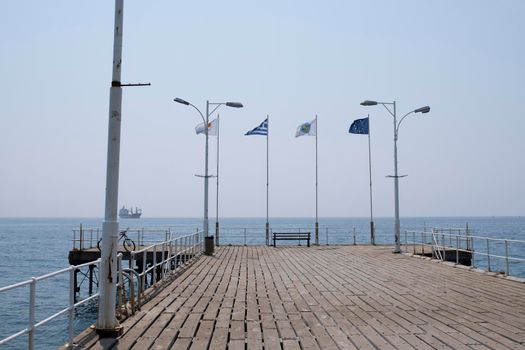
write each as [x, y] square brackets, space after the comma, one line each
[308, 128]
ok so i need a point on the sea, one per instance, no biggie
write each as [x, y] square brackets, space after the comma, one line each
[31, 247]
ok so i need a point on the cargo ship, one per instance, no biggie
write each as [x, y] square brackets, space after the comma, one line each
[126, 213]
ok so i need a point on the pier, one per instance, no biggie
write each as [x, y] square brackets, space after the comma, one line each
[325, 297]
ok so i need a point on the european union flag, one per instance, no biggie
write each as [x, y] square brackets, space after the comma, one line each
[359, 126]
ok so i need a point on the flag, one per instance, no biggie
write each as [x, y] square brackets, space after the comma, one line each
[262, 129]
[212, 128]
[308, 128]
[359, 126]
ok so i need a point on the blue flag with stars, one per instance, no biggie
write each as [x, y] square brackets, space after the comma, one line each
[359, 126]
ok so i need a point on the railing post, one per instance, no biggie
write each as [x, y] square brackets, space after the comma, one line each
[507, 272]
[132, 293]
[71, 311]
[192, 239]
[170, 253]
[488, 255]
[144, 274]
[120, 284]
[423, 239]
[176, 253]
[154, 271]
[457, 250]
[132, 285]
[353, 231]
[473, 253]
[185, 257]
[244, 236]
[31, 328]
[163, 263]
[327, 236]
[414, 241]
[81, 237]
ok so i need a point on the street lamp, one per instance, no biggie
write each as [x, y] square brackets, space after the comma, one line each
[396, 177]
[205, 120]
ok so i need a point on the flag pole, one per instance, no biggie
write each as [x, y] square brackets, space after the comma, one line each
[217, 180]
[316, 202]
[267, 179]
[372, 228]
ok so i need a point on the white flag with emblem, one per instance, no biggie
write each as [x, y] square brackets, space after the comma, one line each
[308, 128]
[212, 128]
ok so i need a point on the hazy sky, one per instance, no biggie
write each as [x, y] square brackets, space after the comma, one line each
[288, 59]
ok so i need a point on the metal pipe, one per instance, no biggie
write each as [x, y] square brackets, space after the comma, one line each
[316, 190]
[507, 272]
[106, 312]
[488, 254]
[154, 271]
[217, 181]
[205, 224]
[397, 225]
[457, 250]
[71, 310]
[31, 327]
[143, 282]
[120, 284]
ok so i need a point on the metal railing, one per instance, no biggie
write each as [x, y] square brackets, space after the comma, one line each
[327, 235]
[173, 254]
[87, 238]
[33, 324]
[167, 257]
[486, 253]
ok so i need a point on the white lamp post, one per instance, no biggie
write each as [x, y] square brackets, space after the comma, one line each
[426, 109]
[205, 120]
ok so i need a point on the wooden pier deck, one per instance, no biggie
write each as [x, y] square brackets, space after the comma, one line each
[328, 297]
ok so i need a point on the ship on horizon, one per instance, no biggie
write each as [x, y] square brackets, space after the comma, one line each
[125, 213]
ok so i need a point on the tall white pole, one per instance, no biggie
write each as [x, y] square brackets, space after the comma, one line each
[316, 206]
[217, 203]
[267, 180]
[205, 224]
[372, 229]
[397, 225]
[107, 322]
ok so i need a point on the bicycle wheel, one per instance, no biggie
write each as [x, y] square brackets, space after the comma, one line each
[128, 244]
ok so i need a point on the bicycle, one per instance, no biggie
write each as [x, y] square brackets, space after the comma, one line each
[128, 243]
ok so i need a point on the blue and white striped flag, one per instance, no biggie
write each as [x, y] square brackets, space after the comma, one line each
[262, 129]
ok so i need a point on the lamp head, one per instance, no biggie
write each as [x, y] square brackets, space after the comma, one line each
[425, 109]
[180, 100]
[368, 103]
[234, 104]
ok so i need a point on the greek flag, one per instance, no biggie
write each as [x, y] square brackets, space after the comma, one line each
[262, 129]
[359, 126]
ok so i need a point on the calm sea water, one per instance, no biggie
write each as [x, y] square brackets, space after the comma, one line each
[34, 247]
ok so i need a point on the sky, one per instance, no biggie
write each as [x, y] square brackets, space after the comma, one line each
[290, 60]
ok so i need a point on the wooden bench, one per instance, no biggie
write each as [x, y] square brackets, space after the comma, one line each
[291, 236]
